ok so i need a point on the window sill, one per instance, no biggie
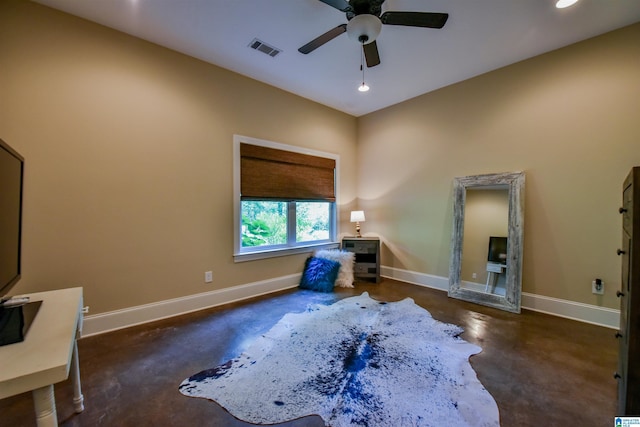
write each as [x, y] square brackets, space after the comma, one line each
[252, 256]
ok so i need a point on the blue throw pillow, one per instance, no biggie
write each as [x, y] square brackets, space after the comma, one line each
[319, 274]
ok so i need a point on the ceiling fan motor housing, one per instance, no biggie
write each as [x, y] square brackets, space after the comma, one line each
[364, 7]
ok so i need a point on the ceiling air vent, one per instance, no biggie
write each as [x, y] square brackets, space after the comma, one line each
[264, 48]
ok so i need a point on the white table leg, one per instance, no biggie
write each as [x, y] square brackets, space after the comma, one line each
[44, 402]
[78, 398]
[491, 281]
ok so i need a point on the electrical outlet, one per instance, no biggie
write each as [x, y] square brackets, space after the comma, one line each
[208, 276]
[597, 287]
[474, 276]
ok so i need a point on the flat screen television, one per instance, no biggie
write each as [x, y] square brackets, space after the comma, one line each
[11, 176]
[497, 250]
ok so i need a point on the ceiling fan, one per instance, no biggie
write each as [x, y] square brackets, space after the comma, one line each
[365, 22]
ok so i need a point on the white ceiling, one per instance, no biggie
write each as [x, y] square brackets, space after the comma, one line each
[479, 36]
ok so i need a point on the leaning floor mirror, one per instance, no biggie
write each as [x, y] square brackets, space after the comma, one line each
[487, 240]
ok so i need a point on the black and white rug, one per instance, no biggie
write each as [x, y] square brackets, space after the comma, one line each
[357, 362]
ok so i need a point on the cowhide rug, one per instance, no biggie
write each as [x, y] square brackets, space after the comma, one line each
[357, 362]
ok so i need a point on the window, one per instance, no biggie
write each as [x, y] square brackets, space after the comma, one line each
[266, 223]
[285, 199]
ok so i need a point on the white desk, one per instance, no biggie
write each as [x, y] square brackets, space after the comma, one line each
[47, 355]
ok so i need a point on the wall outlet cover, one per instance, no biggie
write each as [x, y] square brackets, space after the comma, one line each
[597, 288]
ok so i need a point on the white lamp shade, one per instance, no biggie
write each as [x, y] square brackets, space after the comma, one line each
[364, 28]
[357, 216]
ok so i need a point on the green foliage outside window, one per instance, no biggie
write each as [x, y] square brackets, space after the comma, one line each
[264, 223]
[312, 221]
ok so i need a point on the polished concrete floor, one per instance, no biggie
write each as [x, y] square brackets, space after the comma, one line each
[541, 370]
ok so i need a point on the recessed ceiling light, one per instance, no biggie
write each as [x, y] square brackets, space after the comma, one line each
[561, 4]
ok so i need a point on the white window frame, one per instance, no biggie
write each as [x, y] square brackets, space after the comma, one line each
[241, 254]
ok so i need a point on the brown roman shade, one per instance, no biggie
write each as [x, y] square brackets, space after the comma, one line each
[268, 173]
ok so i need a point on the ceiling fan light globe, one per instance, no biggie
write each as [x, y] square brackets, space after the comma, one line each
[364, 28]
[561, 4]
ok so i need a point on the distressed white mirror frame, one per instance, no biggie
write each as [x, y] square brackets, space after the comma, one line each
[513, 281]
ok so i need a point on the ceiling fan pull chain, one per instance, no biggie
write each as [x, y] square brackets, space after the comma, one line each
[363, 87]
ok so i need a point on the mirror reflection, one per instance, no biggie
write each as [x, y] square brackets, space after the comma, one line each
[484, 245]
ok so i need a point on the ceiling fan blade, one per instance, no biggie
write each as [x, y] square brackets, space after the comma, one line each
[324, 38]
[371, 54]
[415, 19]
[341, 5]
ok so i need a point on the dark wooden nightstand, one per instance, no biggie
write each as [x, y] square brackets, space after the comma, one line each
[367, 256]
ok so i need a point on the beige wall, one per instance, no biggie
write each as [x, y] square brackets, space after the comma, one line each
[128, 148]
[569, 119]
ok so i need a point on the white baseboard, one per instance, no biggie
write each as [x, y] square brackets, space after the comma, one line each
[587, 313]
[421, 279]
[119, 319]
[601, 316]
